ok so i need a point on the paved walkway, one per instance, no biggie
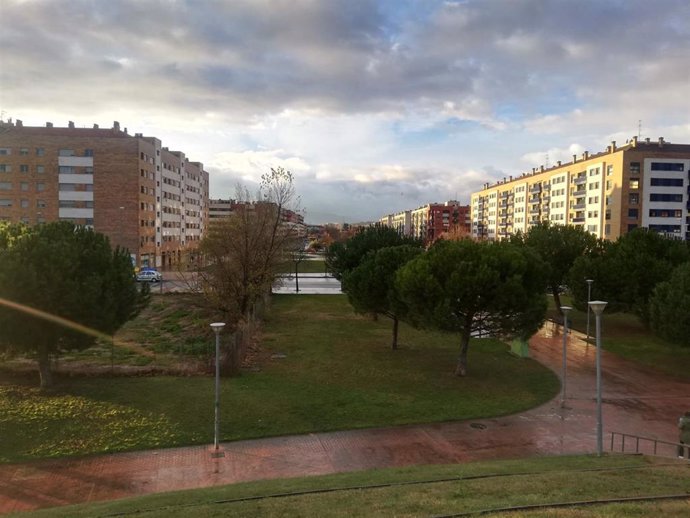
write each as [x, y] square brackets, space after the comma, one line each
[635, 401]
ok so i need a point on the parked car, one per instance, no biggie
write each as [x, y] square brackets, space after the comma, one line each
[149, 276]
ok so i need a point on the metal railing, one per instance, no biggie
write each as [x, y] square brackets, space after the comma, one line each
[648, 445]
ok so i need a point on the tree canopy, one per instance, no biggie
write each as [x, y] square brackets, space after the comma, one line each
[345, 257]
[669, 307]
[371, 286]
[467, 286]
[559, 246]
[67, 272]
[626, 272]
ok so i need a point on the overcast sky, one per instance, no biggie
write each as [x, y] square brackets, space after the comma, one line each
[375, 106]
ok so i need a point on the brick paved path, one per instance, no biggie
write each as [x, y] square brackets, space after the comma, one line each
[635, 401]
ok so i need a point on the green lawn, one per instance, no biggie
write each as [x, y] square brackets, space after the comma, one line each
[338, 373]
[431, 490]
[623, 334]
[306, 266]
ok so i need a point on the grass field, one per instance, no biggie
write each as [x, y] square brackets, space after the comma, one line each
[337, 373]
[432, 491]
[623, 334]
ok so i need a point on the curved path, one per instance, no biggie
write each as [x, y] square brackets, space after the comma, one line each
[636, 401]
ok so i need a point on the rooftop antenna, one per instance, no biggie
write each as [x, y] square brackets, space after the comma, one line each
[639, 129]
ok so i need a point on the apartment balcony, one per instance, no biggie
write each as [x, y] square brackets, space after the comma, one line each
[535, 188]
[580, 192]
[546, 187]
[503, 204]
[580, 180]
[535, 199]
[580, 205]
[505, 194]
[545, 197]
[534, 210]
[578, 220]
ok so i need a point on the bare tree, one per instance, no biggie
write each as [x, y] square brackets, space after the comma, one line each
[242, 253]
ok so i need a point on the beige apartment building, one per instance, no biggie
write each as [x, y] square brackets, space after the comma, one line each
[143, 196]
[642, 184]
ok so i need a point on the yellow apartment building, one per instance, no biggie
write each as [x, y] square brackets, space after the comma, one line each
[642, 184]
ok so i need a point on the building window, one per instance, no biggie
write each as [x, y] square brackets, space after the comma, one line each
[66, 152]
[88, 152]
[634, 168]
[23, 168]
[40, 169]
[24, 204]
[5, 151]
[5, 202]
[40, 186]
[634, 184]
[675, 198]
[633, 199]
[66, 169]
[41, 204]
[665, 213]
[633, 213]
[608, 184]
[609, 170]
[667, 182]
[592, 228]
[5, 168]
[667, 166]
[5, 186]
[24, 186]
[607, 229]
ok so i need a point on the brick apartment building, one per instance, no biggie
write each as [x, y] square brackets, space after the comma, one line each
[143, 196]
[223, 208]
[641, 184]
[429, 221]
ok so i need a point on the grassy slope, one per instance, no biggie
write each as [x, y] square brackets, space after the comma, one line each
[338, 373]
[529, 481]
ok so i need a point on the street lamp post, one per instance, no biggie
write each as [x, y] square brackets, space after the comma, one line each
[565, 310]
[217, 328]
[597, 307]
[589, 298]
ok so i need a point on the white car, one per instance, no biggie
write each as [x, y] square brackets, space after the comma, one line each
[149, 276]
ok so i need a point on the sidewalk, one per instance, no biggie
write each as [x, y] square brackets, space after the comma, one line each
[635, 401]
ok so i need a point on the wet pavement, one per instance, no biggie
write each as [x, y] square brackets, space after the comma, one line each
[636, 401]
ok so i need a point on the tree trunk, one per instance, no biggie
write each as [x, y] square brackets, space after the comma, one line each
[394, 345]
[557, 300]
[44, 368]
[461, 368]
[297, 277]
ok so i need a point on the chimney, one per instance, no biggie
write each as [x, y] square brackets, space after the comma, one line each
[585, 155]
[95, 126]
[125, 130]
[534, 170]
[49, 124]
[19, 123]
[511, 178]
[116, 126]
[70, 124]
[574, 158]
[661, 142]
[634, 141]
[613, 146]
[541, 168]
[559, 163]
[647, 140]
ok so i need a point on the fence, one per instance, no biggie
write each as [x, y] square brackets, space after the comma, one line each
[648, 446]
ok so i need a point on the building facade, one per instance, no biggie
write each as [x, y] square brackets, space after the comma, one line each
[143, 196]
[430, 221]
[642, 184]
